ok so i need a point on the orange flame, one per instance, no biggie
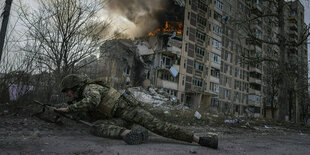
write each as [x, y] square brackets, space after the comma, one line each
[169, 28]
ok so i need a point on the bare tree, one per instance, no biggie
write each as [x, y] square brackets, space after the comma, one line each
[15, 69]
[60, 33]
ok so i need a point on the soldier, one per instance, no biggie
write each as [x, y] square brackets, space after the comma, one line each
[112, 113]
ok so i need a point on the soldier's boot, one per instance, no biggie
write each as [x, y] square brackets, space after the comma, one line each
[210, 141]
[135, 137]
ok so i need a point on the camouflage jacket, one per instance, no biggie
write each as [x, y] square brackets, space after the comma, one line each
[95, 98]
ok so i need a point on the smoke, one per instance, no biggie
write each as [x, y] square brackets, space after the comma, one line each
[137, 17]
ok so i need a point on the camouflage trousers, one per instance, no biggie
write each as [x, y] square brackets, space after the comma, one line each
[127, 114]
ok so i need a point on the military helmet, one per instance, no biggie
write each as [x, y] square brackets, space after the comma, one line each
[73, 80]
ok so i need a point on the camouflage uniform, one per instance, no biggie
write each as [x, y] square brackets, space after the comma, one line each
[113, 113]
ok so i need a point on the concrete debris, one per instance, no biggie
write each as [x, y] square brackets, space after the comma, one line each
[157, 98]
[166, 112]
[197, 115]
[230, 121]
[193, 151]
[233, 121]
[267, 127]
[144, 50]
[36, 133]
[247, 124]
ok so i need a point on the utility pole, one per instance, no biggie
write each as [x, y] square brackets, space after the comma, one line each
[5, 21]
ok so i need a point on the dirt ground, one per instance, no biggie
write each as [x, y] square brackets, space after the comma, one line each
[29, 135]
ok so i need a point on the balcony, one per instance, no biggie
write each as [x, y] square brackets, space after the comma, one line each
[167, 84]
[254, 91]
[293, 26]
[254, 80]
[174, 50]
[214, 79]
[195, 89]
[215, 65]
[254, 69]
[293, 39]
[200, 42]
[201, 27]
[292, 19]
[252, 103]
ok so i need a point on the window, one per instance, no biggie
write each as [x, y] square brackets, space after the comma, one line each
[214, 102]
[200, 50]
[227, 68]
[215, 72]
[198, 66]
[166, 61]
[202, 5]
[228, 56]
[237, 72]
[217, 30]
[214, 87]
[166, 76]
[217, 16]
[216, 44]
[227, 93]
[218, 4]
[201, 35]
[201, 20]
[197, 82]
[254, 98]
[216, 58]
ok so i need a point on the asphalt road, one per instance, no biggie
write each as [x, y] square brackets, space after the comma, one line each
[31, 136]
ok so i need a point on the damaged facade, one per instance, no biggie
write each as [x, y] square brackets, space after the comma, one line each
[118, 64]
[193, 56]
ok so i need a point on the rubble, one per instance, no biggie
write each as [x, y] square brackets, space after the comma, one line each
[157, 98]
[197, 115]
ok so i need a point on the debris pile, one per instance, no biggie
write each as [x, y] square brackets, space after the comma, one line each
[156, 98]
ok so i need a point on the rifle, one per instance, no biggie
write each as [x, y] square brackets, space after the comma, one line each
[59, 113]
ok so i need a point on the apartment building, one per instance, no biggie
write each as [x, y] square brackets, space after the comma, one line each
[214, 74]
